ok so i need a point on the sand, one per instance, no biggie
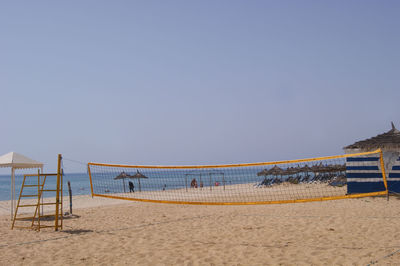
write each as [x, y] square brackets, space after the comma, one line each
[239, 193]
[116, 232]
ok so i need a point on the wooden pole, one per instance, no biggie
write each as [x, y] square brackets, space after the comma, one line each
[70, 197]
[38, 204]
[90, 178]
[19, 199]
[58, 192]
[384, 174]
[12, 192]
[223, 179]
[62, 198]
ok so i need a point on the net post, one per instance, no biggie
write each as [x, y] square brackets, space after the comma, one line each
[39, 194]
[70, 197]
[223, 179]
[58, 192]
[62, 198]
[90, 178]
[384, 173]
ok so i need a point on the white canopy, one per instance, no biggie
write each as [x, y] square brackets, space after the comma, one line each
[17, 161]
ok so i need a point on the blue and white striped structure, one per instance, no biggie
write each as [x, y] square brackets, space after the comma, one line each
[394, 177]
[364, 174]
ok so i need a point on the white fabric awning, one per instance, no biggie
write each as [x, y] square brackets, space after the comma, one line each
[18, 161]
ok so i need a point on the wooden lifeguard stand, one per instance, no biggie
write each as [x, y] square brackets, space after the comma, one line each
[40, 219]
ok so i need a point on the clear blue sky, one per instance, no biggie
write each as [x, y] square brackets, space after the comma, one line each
[195, 82]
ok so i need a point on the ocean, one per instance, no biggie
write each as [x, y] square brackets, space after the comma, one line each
[104, 182]
[80, 185]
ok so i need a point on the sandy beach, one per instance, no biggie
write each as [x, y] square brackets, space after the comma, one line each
[250, 192]
[116, 232]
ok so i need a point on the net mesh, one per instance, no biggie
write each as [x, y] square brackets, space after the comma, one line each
[257, 183]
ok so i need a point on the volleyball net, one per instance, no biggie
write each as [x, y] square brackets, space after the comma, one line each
[313, 179]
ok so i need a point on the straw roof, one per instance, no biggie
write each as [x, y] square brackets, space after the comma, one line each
[306, 168]
[263, 172]
[138, 175]
[122, 175]
[275, 170]
[317, 168]
[292, 170]
[339, 167]
[320, 168]
[386, 141]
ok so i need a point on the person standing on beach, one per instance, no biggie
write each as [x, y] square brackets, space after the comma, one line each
[131, 187]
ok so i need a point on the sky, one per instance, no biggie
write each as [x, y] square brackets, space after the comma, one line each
[195, 82]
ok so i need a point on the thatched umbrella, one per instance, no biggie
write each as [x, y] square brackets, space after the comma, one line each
[138, 175]
[122, 176]
[317, 168]
[291, 171]
[339, 167]
[333, 168]
[325, 168]
[263, 172]
[275, 171]
[306, 169]
[388, 141]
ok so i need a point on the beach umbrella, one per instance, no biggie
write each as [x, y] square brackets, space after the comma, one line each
[138, 176]
[17, 161]
[122, 176]
[306, 169]
[339, 167]
[275, 171]
[328, 168]
[291, 170]
[263, 172]
[317, 168]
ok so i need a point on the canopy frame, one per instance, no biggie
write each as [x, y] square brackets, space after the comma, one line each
[17, 161]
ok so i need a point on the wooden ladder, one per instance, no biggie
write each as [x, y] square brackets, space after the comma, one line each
[36, 221]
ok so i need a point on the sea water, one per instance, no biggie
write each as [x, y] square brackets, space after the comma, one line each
[80, 185]
[104, 182]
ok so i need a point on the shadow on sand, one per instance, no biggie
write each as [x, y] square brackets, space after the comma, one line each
[77, 231]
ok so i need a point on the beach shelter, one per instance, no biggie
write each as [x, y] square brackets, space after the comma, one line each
[17, 161]
[138, 176]
[263, 172]
[122, 176]
[276, 170]
[366, 175]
